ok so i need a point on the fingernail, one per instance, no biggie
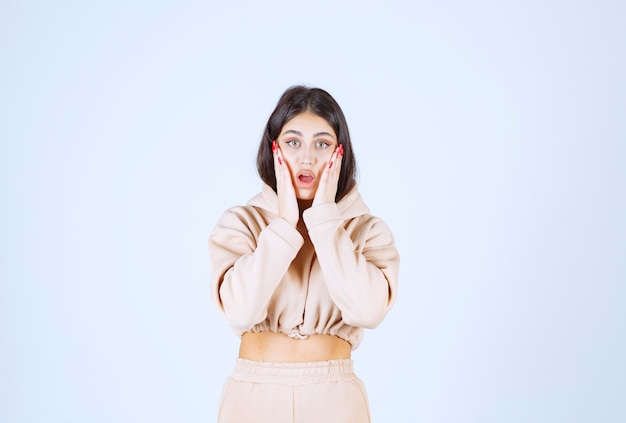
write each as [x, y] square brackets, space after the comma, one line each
[280, 162]
[330, 165]
[274, 146]
[340, 150]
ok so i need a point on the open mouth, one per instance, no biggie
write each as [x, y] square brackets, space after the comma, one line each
[305, 179]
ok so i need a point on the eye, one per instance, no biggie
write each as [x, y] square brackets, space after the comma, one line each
[322, 144]
[292, 143]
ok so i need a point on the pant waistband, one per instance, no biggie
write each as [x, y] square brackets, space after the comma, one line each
[293, 373]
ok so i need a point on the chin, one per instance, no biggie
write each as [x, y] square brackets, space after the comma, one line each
[305, 196]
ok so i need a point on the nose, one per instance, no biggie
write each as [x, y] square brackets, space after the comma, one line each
[305, 157]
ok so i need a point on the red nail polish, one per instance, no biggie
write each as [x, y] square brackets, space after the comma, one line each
[274, 146]
[330, 165]
[341, 149]
[280, 162]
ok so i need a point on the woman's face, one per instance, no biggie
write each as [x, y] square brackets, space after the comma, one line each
[307, 142]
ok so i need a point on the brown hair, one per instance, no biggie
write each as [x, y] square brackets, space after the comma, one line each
[299, 99]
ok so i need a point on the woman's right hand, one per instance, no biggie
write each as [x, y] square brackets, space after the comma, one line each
[287, 201]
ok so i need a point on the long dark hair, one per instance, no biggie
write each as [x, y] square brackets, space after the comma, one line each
[299, 99]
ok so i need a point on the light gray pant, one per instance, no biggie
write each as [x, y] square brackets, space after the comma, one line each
[321, 391]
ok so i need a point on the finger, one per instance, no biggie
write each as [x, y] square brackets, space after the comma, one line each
[278, 160]
[336, 156]
[279, 155]
[280, 167]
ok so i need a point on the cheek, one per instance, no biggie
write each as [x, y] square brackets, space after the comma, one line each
[290, 165]
[289, 161]
[324, 158]
[289, 157]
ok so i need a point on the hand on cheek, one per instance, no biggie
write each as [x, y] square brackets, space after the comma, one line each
[287, 201]
[327, 188]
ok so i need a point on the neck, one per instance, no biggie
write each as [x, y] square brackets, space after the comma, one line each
[304, 204]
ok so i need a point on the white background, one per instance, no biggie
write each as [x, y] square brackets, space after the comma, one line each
[490, 136]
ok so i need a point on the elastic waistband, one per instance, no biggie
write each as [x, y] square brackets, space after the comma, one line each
[293, 373]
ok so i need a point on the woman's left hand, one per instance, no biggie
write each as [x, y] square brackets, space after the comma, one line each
[327, 188]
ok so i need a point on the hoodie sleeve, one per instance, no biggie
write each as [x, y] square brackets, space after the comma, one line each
[360, 265]
[248, 263]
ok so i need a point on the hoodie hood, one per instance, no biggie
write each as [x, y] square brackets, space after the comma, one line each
[350, 206]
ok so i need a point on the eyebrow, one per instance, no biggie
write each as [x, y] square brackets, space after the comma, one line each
[318, 134]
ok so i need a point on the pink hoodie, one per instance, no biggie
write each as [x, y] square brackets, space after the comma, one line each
[337, 275]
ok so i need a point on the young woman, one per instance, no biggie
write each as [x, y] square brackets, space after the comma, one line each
[300, 271]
